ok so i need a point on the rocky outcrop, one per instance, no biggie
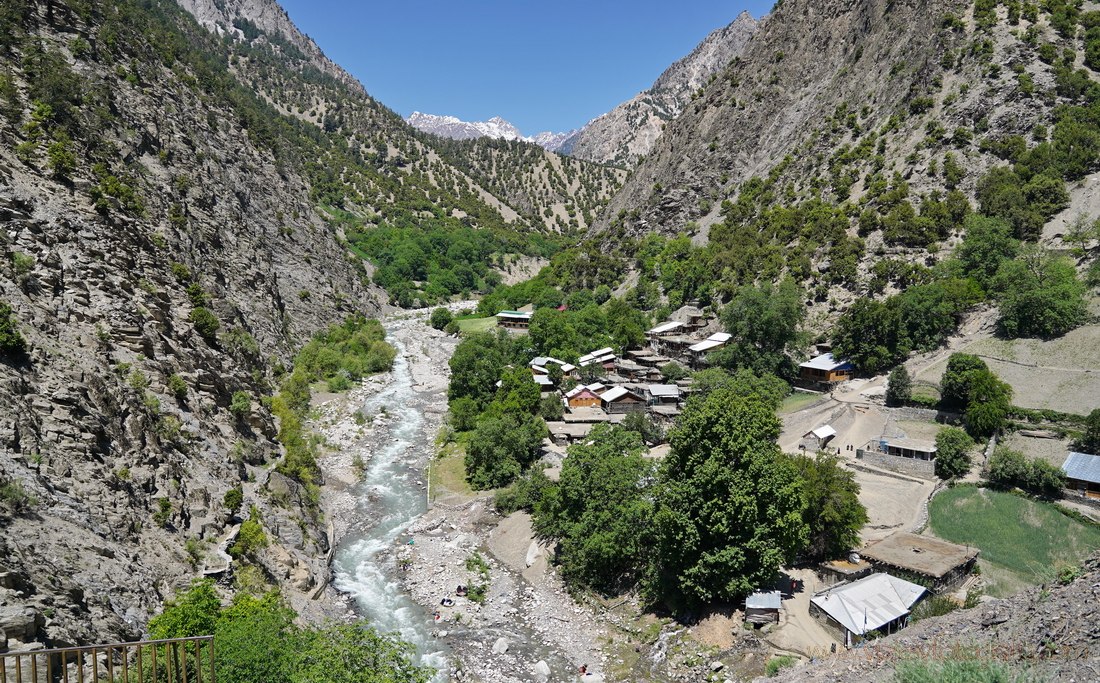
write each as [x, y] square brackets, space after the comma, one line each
[627, 133]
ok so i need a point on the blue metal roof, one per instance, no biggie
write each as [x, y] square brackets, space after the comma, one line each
[1083, 467]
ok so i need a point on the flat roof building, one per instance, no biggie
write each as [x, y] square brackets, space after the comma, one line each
[933, 561]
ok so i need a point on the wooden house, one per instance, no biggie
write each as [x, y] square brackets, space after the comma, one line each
[583, 397]
[935, 563]
[825, 368]
[515, 320]
[663, 394]
[700, 350]
[1083, 475]
[622, 400]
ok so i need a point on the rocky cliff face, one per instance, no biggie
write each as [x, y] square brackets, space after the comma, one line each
[627, 133]
[828, 98]
[129, 200]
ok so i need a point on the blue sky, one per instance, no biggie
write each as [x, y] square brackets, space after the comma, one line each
[540, 65]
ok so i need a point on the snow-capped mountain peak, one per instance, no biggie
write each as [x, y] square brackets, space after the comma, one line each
[496, 127]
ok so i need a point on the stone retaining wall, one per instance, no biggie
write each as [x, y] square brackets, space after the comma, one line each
[926, 469]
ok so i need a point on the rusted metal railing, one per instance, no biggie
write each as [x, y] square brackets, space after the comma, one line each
[176, 660]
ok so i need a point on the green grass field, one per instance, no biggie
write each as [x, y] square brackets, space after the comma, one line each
[1022, 542]
[471, 325]
[797, 401]
[448, 473]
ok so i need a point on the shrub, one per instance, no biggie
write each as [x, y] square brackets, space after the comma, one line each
[15, 498]
[206, 323]
[440, 318]
[1012, 469]
[233, 499]
[163, 513]
[177, 386]
[241, 404]
[250, 538]
[11, 341]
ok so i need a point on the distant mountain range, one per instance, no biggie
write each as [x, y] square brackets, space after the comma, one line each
[496, 127]
[626, 133]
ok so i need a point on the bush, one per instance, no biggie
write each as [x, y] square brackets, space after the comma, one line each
[241, 404]
[206, 323]
[233, 500]
[177, 386]
[899, 388]
[440, 318]
[1012, 469]
[953, 453]
[250, 537]
[163, 513]
[11, 341]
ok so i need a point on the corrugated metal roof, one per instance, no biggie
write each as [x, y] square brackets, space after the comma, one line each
[825, 362]
[870, 602]
[543, 380]
[705, 346]
[666, 327]
[615, 393]
[720, 337]
[764, 600]
[663, 390]
[1082, 466]
[514, 314]
[823, 432]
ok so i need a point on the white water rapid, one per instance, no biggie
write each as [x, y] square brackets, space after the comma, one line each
[390, 498]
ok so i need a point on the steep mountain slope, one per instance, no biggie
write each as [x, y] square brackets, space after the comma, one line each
[456, 129]
[132, 199]
[627, 132]
[833, 100]
[170, 198]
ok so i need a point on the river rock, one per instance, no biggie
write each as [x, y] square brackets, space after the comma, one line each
[542, 670]
[534, 552]
[501, 646]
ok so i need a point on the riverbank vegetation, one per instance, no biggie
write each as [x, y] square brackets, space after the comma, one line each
[257, 639]
[339, 356]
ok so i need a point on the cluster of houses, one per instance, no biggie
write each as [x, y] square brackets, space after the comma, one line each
[609, 400]
[876, 590]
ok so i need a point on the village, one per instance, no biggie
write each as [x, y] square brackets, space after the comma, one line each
[810, 610]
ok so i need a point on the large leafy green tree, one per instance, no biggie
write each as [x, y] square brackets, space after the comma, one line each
[476, 366]
[256, 639]
[1090, 441]
[899, 388]
[765, 321]
[1040, 295]
[833, 514]
[728, 510]
[501, 448]
[599, 511]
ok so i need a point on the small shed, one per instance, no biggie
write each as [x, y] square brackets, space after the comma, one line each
[878, 602]
[817, 438]
[825, 368]
[762, 607]
[1083, 474]
[622, 400]
[713, 342]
